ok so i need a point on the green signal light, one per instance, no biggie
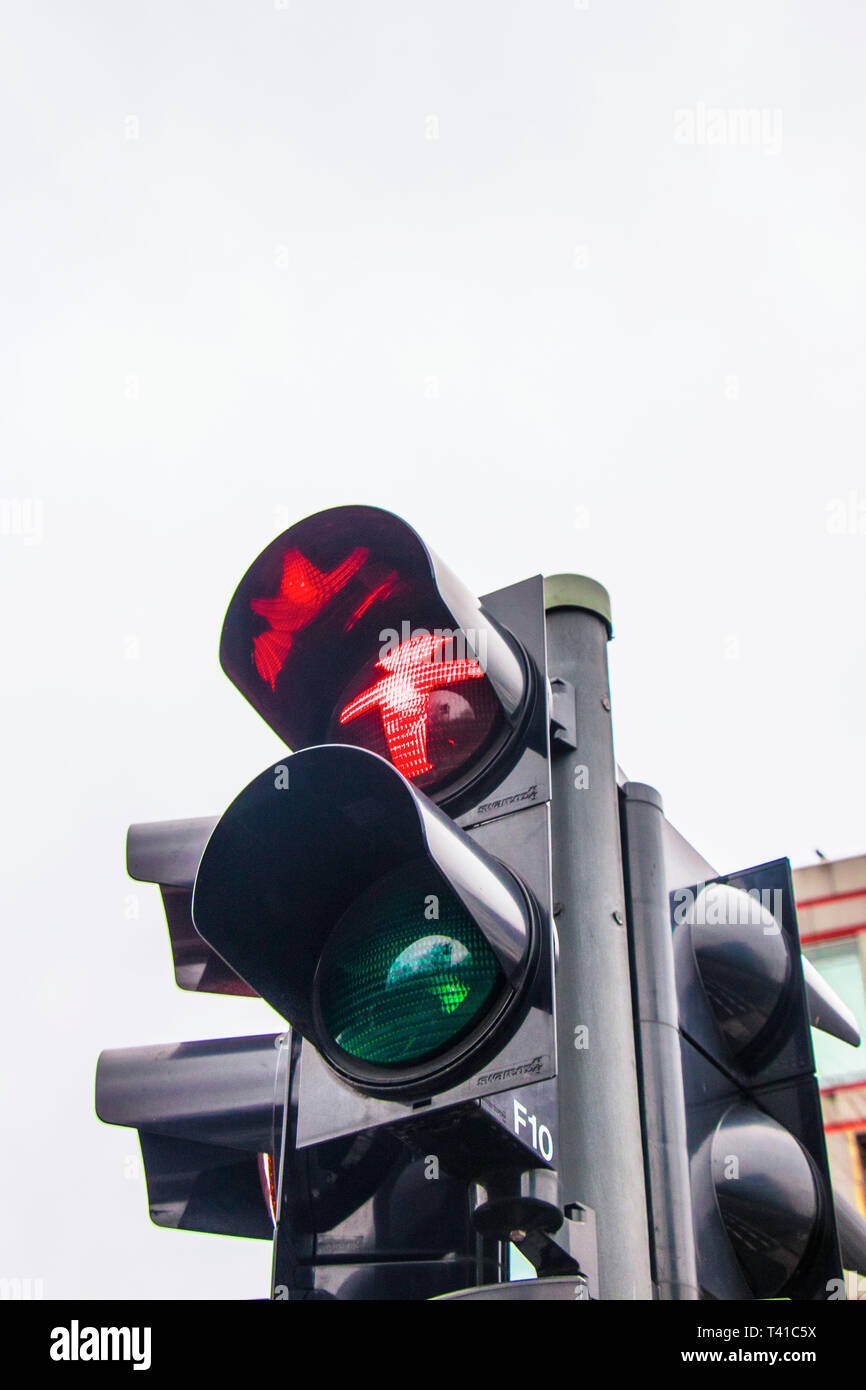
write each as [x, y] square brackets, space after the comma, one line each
[392, 992]
[433, 957]
[452, 993]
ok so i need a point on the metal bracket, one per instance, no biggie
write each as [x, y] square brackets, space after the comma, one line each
[571, 1249]
[563, 714]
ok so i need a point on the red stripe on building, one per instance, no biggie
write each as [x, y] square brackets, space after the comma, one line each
[808, 938]
[842, 1086]
[833, 898]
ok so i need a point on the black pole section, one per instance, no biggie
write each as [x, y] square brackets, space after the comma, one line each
[672, 1235]
[601, 1158]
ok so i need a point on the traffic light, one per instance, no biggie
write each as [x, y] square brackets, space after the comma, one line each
[401, 948]
[348, 629]
[460, 908]
[739, 1195]
[209, 1114]
[762, 1201]
[387, 889]
[168, 853]
[209, 1117]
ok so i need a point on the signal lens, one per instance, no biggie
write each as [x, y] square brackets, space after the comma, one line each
[406, 973]
[304, 591]
[426, 708]
[772, 1210]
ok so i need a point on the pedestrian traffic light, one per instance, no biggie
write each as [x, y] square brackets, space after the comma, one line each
[399, 946]
[761, 1194]
[348, 629]
[386, 888]
[453, 1076]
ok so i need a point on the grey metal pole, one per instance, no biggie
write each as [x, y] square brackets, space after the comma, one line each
[601, 1157]
[672, 1235]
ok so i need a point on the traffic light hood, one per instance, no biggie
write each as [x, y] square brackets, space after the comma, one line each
[753, 1172]
[740, 974]
[348, 629]
[338, 892]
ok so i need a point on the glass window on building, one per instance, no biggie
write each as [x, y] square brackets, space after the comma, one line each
[840, 964]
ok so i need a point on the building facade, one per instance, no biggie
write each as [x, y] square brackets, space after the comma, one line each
[831, 908]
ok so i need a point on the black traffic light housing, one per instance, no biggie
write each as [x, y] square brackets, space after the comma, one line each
[209, 1117]
[168, 853]
[761, 1194]
[351, 601]
[310, 852]
[304, 631]
[413, 818]
[333, 843]
[387, 888]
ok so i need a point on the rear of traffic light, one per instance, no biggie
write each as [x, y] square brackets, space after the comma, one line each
[209, 1114]
[209, 1117]
[761, 1194]
[168, 853]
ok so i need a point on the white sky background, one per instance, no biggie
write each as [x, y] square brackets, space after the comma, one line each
[243, 282]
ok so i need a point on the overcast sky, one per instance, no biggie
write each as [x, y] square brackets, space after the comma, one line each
[570, 286]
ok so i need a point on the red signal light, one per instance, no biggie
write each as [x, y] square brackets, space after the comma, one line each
[304, 641]
[304, 592]
[402, 697]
